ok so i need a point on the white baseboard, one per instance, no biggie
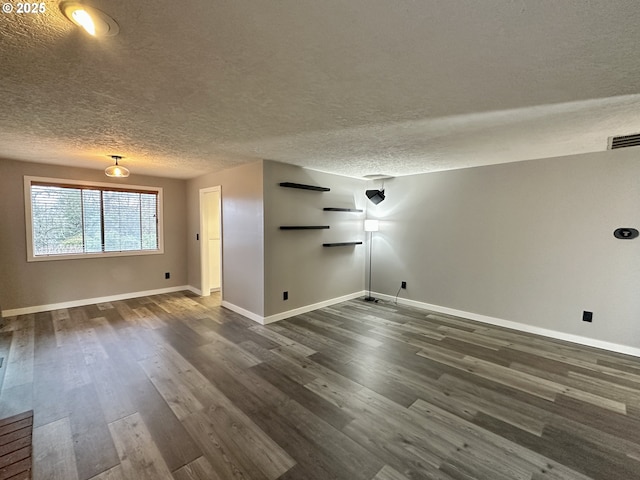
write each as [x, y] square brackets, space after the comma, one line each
[310, 308]
[193, 289]
[289, 313]
[590, 342]
[125, 296]
[91, 301]
[245, 313]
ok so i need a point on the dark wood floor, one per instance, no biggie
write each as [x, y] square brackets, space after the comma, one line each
[176, 387]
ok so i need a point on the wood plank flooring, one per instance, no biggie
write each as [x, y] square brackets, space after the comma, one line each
[176, 387]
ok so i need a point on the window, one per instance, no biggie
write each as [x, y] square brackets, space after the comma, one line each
[70, 219]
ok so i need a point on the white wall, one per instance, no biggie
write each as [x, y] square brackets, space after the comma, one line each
[296, 261]
[242, 232]
[530, 242]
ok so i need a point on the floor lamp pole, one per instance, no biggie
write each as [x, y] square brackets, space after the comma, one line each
[370, 298]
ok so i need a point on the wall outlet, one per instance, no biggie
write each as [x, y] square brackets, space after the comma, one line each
[285, 295]
[587, 316]
[167, 275]
[403, 285]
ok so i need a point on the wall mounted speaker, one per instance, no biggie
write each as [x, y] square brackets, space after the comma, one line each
[376, 196]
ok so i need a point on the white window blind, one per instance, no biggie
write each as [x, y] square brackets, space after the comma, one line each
[88, 220]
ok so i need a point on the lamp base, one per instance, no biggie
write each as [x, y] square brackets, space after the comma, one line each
[370, 299]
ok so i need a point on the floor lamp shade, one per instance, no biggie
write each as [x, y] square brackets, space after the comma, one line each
[371, 225]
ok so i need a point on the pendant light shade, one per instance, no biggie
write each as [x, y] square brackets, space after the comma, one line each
[116, 170]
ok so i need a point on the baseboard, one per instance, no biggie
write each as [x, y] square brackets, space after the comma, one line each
[245, 313]
[91, 301]
[289, 313]
[310, 308]
[193, 289]
[568, 337]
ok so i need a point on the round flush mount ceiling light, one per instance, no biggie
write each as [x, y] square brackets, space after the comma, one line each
[116, 170]
[94, 21]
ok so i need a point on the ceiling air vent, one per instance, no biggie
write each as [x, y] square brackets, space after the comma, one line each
[624, 141]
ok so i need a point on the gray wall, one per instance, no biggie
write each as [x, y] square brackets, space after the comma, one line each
[242, 232]
[28, 284]
[529, 242]
[296, 261]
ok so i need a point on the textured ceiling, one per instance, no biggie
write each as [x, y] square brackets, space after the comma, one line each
[348, 86]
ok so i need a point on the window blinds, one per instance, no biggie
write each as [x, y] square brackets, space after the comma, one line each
[71, 219]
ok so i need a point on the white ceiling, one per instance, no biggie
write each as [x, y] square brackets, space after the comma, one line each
[354, 87]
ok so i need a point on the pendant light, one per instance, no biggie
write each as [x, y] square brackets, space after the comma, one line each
[116, 170]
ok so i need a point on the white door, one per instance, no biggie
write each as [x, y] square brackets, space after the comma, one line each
[210, 240]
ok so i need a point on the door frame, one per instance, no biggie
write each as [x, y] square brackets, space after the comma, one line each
[204, 242]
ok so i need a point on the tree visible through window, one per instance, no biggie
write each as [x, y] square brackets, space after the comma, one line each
[78, 219]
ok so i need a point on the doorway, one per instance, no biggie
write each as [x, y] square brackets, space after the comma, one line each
[210, 240]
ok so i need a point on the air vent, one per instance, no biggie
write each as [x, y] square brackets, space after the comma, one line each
[624, 141]
[378, 176]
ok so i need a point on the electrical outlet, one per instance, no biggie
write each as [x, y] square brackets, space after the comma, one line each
[587, 316]
[285, 295]
[167, 275]
[403, 285]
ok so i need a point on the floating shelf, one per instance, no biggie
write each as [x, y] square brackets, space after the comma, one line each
[305, 227]
[333, 209]
[341, 244]
[305, 187]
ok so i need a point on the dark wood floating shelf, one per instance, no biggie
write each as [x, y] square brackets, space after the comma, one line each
[341, 244]
[305, 187]
[333, 209]
[305, 227]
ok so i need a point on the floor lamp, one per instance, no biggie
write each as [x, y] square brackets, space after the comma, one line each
[370, 226]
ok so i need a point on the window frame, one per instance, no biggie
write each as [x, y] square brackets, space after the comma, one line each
[30, 180]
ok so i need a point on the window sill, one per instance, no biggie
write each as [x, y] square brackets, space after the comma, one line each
[80, 256]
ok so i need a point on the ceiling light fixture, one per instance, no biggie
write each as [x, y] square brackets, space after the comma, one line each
[376, 196]
[94, 21]
[116, 170]
[84, 20]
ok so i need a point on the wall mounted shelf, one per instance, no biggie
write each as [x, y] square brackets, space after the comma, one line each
[334, 209]
[341, 244]
[305, 187]
[304, 227]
